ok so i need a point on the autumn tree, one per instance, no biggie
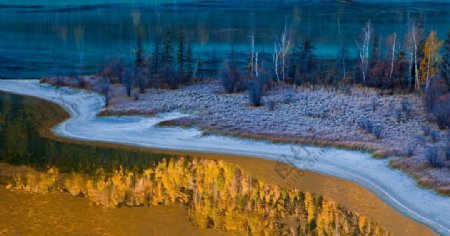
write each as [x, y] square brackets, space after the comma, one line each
[445, 64]
[429, 65]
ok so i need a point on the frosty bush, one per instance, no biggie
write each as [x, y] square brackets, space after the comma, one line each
[432, 156]
[255, 93]
[368, 126]
[230, 79]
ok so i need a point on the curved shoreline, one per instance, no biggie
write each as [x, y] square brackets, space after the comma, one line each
[392, 186]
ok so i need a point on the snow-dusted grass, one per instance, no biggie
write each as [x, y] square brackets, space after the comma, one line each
[392, 186]
[320, 116]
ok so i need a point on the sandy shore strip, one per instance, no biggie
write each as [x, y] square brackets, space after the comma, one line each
[393, 186]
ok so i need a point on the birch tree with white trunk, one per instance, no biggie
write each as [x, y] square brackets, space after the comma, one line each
[281, 51]
[392, 44]
[412, 39]
[363, 43]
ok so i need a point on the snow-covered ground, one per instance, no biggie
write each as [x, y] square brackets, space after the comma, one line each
[393, 186]
[322, 115]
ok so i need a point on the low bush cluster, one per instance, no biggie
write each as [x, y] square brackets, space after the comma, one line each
[370, 127]
[437, 101]
[432, 155]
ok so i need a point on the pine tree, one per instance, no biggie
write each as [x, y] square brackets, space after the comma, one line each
[307, 57]
[156, 57]
[445, 65]
[167, 49]
[181, 51]
[140, 57]
[376, 51]
[189, 58]
[303, 63]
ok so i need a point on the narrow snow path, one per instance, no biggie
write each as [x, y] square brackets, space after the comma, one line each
[393, 186]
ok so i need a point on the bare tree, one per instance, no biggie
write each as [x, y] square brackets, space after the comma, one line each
[105, 88]
[252, 53]
[256, 65]
[392, 44]
[412, 40]
[281, 50]
[253, 57]
[194, 73]
[275, 56]
[342, 51]
[363, 43]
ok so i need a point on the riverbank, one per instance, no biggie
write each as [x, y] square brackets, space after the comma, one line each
[317, 116]
[403, 194]
[350, 197]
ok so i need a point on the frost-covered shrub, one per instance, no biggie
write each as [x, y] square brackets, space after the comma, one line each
[432, 156]
[105, 87]
[136, 96]
[447, 151]
[410, 149]
[398, 114]
[365, 124]
[80, 81]
[406, 107]
[420, 139]
[426, 130]
[374, 104]
[434, 136]
[113, 70]
[288, 97]
[141, 76]
[271, 105]
[368, 126]
[437, 89]
[255, 93]
[230, 78]
[128, 80]
[377, 131]
[441, 111]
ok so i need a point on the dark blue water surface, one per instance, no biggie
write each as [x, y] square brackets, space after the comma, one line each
[40, 38]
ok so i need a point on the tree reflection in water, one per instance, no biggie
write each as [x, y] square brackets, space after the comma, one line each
[217, 194]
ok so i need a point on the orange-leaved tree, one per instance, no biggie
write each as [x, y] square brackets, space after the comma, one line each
[429, 65]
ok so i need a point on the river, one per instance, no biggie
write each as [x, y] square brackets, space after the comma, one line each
[42, 38]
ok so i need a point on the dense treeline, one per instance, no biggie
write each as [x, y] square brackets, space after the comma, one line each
[218, 195]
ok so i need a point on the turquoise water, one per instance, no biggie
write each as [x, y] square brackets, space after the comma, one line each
[46, 37]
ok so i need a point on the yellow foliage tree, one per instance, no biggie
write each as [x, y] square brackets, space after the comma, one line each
[429, 65]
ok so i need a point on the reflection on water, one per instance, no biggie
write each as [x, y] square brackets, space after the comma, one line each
[73, 37]
[21, 119]
[24, 213]
[217, 195]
